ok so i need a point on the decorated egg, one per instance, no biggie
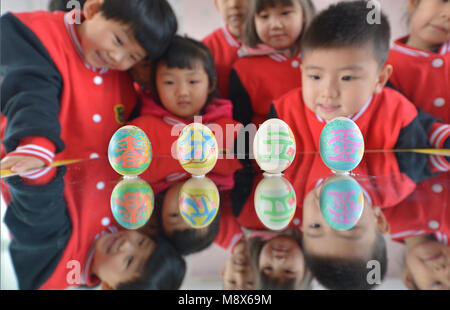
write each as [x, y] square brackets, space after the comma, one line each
[274, 146]
[199, 202]
[341, 202]
[341, 144]
[197, 149]
[129, 151]
[275, 202]
[132, 203]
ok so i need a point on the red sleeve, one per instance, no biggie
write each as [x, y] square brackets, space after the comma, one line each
[39, 147]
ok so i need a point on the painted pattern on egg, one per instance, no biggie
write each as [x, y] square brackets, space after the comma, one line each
[129, 151]
[341, 144]
[132, 203]
[197, 149]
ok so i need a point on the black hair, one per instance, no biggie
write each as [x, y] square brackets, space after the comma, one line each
[348, 24]
[65, 5]
[164, 270]
[251, 37]
[347, 274]
[185, 53]
[152, 22]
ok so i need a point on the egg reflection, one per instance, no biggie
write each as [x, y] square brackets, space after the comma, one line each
[199, 202]
[132, 203]
[275, 202]
[341, 202]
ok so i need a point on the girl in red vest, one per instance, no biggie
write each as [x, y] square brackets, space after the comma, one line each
[269, 61]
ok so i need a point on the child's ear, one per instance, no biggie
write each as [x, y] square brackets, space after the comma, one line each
[383, 77]
[105, 286]
[408, 279]
[382, 223]
[91, 8]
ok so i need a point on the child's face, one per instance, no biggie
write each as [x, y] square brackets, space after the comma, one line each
[183, 92]
[282, 258]
[340, 81]
[429, 265]
[237, 272]
[107, 43]
[430, 22]
[280, 26]
[120, 257]
[321, 239]
[234, 13]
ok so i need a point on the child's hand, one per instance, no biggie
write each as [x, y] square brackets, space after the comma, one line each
[20, 163]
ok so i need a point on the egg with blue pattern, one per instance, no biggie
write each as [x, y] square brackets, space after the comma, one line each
[341, 202]
[341, 144]
[197, 149]
[132, 203]
[199, 202]
[129, 151]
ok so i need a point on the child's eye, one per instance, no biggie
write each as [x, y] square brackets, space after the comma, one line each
[263, 15]
[436, 284]
[118, 40]
[141, 242]
[315, 226]
[133, 58]
[314, 77]
[168, 82]
[348, 78]
[194, 82]
[129, 261]
[286, 12]
[289, 272]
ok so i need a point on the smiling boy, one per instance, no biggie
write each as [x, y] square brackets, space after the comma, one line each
[63, 81]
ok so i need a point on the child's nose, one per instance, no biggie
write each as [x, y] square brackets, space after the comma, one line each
[117, 56]
[276, 22]
[182, 90]
[329, 89]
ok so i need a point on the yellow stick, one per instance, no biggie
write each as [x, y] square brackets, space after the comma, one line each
[8, 173]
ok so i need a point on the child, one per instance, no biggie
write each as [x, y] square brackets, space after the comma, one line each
[184, 87]
[421, 60]
[50, 57]
[238, 273]
[278, 260]
[225, 42]
[343, 74]
[62, 238]
[269, 63]
[427, 264]
[414, 223]
[338, 259]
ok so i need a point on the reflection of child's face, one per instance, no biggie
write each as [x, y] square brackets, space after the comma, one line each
[183, 92]
[340, 81]
[171, 217]
[280, 26]
[234, 14]
[120, 257]
[321, 239]
[430, 23]
[237, 272]
[429, 265]
[282, 258]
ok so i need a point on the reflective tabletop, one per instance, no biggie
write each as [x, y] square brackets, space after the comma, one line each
[383, 225]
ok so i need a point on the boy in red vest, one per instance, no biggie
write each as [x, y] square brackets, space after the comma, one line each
[64, 76]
